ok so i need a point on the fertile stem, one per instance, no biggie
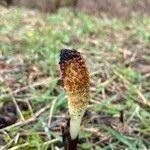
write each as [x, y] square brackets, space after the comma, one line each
[76, 84]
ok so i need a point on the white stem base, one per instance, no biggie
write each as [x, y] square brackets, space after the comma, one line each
[75, 127]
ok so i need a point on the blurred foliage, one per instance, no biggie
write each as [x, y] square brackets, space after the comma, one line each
[117, 54]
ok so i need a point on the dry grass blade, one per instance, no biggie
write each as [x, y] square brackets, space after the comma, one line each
[13, 99]
[19, 146]
[50, 142]
[29, 106]
[51, 111]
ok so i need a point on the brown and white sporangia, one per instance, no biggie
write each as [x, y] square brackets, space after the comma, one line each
[75, 79]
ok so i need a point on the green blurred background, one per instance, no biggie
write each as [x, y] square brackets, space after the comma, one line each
[114, 38]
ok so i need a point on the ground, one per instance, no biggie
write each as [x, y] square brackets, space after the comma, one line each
[117, 53]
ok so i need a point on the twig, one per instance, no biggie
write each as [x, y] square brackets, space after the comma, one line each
[50, 142]
[56, 148]
[17, 138]
[121, 117]
[19, 146]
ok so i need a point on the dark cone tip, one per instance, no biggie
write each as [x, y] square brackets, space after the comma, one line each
[67, 54]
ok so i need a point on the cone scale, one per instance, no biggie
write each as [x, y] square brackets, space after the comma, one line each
[75, 79]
